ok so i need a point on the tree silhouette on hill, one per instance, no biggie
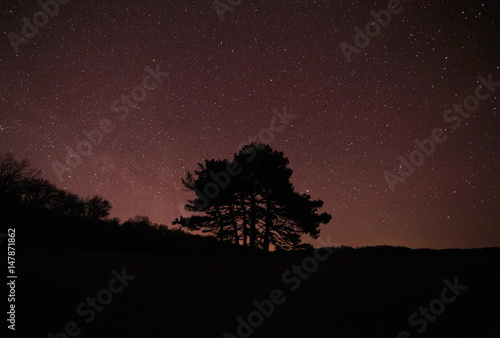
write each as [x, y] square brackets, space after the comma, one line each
[246, 202]
[251, 202]
[26, 198]
[47, 217]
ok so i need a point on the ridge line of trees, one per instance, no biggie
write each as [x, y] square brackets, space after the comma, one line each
[256, 208]
[23, 191]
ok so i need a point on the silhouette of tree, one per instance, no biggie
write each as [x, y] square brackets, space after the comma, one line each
[139, 222]
[39, 195]
[26, 198]
[13, 172]
[95, 208]
[218, 209]
[14, 175]
[45, 216]
[257, 207]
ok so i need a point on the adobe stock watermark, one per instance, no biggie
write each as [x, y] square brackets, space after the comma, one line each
[427, 147]
[372, 29]
[437, 306]
[95, 136]
[222, 178]
[40, 19]
[221, 8]
[93, 305]
[293, 279]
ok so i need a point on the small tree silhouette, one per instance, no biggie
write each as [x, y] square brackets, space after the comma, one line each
[95, 208]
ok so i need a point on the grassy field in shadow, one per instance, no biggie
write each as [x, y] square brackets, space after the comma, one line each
[354, 293]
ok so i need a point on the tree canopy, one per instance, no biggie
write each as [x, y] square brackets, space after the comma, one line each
[251, 201]
[25, 195]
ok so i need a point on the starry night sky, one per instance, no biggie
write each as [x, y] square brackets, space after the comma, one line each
[352, 119]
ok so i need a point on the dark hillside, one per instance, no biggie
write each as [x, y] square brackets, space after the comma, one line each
[349, 295]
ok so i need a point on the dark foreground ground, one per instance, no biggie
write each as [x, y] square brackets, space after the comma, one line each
[193, 296]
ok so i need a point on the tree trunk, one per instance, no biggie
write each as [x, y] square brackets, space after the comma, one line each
[235, 225]
[252, 222]
[269, 222]
[245, 222]
[221, 225]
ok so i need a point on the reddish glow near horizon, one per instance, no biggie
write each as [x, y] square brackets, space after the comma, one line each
[225, 79]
